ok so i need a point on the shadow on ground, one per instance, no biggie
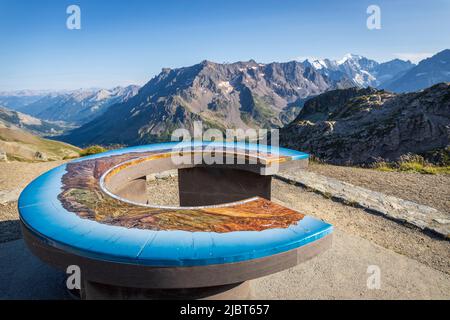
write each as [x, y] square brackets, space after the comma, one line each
[23, 276]
[10, 230]
[339, 273]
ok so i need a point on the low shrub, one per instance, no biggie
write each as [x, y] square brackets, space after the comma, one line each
[92, 150]
[411, 163]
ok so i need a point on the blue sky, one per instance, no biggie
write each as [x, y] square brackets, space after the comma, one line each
[123, 42]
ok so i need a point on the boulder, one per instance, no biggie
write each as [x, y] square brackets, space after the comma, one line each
[40, 156]
[3, 156]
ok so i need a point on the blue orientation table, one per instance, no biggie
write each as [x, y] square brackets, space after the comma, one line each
[74, 209]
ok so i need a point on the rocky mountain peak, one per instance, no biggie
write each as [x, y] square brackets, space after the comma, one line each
[427, 73]
[241, 94]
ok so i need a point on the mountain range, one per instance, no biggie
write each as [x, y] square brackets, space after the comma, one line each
[74, 107]
[17, 99]
[241, 94]
[236, 95]
[224, 95]
[361, 71]
[427, 73]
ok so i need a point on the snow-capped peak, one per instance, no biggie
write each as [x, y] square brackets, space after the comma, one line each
[349, 56]
[319, 64]
[102, 95]
[358, 69]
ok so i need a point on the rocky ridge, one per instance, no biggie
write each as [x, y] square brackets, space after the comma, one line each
[361, 126]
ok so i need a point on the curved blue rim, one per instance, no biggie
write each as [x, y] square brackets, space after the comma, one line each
[41, 211]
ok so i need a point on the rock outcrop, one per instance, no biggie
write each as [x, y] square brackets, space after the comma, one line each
[360, 126]
[3, 156]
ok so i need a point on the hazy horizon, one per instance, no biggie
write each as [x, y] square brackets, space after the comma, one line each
[50, 90]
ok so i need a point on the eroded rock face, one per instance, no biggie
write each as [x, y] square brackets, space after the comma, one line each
[360, 126]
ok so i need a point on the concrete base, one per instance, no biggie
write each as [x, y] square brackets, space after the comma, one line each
[97, 291]
[135, 190]
[339, 273]
[203, 186]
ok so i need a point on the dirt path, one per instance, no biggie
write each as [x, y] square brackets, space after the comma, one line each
[343, 271]
[430, 190]
[413, 264]
[391, 235]
[15, 176]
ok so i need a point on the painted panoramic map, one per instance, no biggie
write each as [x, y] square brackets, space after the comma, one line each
[82, 194]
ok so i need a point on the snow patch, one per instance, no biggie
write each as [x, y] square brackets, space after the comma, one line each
[319, 64]
[349, 56]
[225, 86]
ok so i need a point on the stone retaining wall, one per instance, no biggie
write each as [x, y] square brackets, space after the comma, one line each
[421, 216]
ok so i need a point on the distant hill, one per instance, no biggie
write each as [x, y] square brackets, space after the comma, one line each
[360, 126]
[427, 73]
[21, 145]
[20, 140]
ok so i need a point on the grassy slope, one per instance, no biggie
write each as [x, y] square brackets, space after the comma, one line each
[22, 146]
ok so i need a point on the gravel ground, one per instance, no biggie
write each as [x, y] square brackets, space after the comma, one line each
[9, 223]
[339, 273]
[163, 192]
[342, 273]
[430, 190]
[16, 174]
